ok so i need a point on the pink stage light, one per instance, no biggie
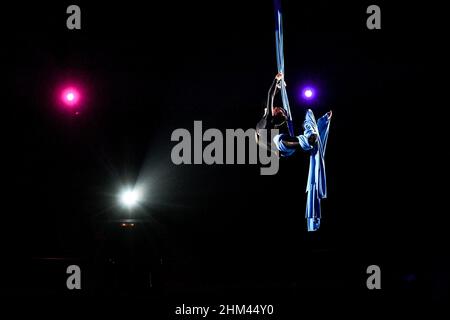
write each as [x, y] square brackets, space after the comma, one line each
[70, 96]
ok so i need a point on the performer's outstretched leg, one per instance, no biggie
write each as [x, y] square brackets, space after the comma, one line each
[323, 125]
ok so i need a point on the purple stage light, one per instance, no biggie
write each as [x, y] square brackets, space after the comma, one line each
[308, 93]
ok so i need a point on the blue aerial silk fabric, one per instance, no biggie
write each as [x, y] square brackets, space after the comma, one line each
[316, 187]
[280, 62]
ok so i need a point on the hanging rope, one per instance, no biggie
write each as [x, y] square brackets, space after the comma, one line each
[280, 61]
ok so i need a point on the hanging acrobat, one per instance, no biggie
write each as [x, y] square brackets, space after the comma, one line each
[313, 140]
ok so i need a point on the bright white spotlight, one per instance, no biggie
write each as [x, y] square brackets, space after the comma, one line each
[129, 198]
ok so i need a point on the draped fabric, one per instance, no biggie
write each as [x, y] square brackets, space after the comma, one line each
[316, 187]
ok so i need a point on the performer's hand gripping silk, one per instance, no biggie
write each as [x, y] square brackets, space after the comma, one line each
[313, 140]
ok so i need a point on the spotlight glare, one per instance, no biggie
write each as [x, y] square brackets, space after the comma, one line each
[129, 198]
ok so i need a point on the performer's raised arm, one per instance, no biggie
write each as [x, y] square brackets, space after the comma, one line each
[273, 90]
[274, 117]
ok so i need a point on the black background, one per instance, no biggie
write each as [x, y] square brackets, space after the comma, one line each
[223, 232]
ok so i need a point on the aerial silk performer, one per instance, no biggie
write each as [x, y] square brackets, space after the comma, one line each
[313, 140]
